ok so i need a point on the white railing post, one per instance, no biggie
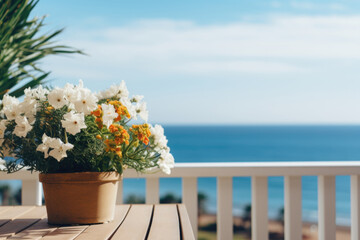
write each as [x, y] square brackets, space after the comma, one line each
[224, 209]
[31, 192]
[326, 205]
[259, 208]
[292, 211]
[190, 199]
[355, 207]
[119, 196]
[152, 191]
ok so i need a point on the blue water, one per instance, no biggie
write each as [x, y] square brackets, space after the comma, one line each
[262, 144]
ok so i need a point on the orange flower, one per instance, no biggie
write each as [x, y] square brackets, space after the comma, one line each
[110, 145]
[97, 112]
[99, 123]
[118, 151]
[98, 137]
[120, 109]
[120, 133]
[142, 132]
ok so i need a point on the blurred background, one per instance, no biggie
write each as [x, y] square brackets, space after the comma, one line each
[230, 81]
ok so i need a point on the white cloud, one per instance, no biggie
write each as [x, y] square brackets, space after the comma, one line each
[165, 46]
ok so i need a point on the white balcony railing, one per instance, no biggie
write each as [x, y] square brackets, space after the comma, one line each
[292, 171]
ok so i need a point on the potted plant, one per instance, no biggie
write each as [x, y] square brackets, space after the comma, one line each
[81, 142]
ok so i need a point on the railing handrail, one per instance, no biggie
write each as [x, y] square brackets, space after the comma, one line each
[226, 169]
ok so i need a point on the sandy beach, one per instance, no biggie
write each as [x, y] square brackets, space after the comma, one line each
[310, 230]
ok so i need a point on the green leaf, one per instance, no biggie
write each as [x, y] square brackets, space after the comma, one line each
[23, 45]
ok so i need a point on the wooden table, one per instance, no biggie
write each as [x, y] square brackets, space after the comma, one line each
[131, 222]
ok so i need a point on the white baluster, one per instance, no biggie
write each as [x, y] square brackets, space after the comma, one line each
[119, 196]
[190, 199]
[224, 208]
[152, 191]
[259, 208]
[326, 205]
[292, 213]
[31, 192]
[355, 207]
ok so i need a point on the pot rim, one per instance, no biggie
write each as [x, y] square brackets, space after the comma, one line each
[79, 177]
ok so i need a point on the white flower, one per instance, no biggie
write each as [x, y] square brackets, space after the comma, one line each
[136, 98]
[9, 101]
[160, 140]
[12, 107]
[122, 91]
[70, 93]
[60, 152]
[86, 102]
[166, 161]
[55, 142]
[56, 98]
[2, 130]
[130, 107]
[38, 93]
[141, 110]
[59, 148]
[2, 164]
[73, 122]
[109, 114]
[80, 85]
[12, 112]
[118, 91]
[44, 147]
[29, 109]
[22, 126]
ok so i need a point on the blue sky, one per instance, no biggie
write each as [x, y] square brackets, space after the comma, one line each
[217, 62]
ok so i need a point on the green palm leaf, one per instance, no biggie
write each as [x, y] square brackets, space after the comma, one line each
[22, 47]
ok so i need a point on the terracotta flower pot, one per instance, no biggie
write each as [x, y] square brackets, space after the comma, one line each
[80, 198]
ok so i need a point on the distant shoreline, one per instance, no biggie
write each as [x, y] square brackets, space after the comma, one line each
[309, 228]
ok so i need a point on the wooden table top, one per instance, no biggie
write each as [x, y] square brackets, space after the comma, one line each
[131, 222]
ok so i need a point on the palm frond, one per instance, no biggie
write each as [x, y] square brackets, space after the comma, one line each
[23, 45]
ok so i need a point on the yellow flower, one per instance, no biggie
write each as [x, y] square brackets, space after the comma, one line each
[142, 132]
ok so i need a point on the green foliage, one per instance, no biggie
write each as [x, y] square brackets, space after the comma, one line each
[170, 198]
[22, 46]
[134, 199]
[89, 154]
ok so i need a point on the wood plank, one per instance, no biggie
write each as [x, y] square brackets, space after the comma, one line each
[136, 224]
[293, 208]
[104, 231]
[5, 208]
[185, 225]
[66, 233]
[190, 199]
[22, 222]
[224, 218]
[36, 231]
[326, 205]
[13, 213]
[165, 223]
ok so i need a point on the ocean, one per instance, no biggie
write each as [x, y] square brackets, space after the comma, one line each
[260, 144]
